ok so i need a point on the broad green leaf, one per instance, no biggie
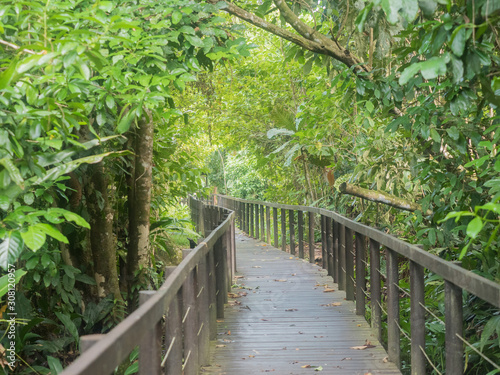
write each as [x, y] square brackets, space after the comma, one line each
[409, 9]
[435, 136]
[125, 122]
[453, 133]
[77, 219]
[458, 41]
[361, 18]
[408, 73]
[428, 6]
[54, 365]
[132, 369]
[194, 40]
[4, 281]
[53, 232]
[433, 67]
[14, 173]
[308, 66]
[110, 102]
[10, 249]
[457, 69]
[69, 325]
[176, 17]
[8, 74]
[474, 227]
[27, 63]
[274, 132]
[34, 237]
[391, 9]
[492, 327]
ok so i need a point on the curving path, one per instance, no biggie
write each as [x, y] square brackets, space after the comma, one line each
[285, 316]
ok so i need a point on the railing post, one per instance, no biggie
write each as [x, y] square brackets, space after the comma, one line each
[268, 225]
[393, 337]
[454, 328]
[291, 228]
[228, 254]
[417, 319]
[375, 289]
[275, 227]
[310, 222]
[329, 245]
[173, 333]
[150, 346]
[251, 208]
[233, 250]
[257, 221]
[300, 225]
[190, 321]
[247, 219]
[212, 293]
[335, 235]
[203, 313]
[262, 224]
[342, 258]
[360, 274]
[323, 242]
[349, 264]
[220, 277]
[283, 229]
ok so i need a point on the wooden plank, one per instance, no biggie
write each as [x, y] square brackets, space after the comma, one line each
[281, 319]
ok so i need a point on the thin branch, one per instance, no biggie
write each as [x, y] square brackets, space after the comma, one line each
[11, 45]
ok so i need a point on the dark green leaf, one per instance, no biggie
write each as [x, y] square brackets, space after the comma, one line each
[10, 249]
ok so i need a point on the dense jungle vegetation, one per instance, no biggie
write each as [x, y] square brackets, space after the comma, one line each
[113, 111]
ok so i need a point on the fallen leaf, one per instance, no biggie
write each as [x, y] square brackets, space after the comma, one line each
[251, 356]
[328, 290]
[239, 277]
[291, 310]
[368, 373]
[281, 280]
[220, 346]
[346, 359]
[257, 267]
[233, 295]
[362, 347]
[265, 320]
[306, 366]
[291, 257]
[385, 360]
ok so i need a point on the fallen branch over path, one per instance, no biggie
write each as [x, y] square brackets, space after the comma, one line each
[381, 197]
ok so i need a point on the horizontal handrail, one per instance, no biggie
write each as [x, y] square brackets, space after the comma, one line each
[109, 351]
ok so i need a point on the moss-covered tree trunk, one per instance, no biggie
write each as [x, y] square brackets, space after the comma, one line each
[140, 202]
[102, 239]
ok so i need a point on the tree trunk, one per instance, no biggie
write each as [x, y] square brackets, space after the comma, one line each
[140, 203]
[381, 197]
[102, 240]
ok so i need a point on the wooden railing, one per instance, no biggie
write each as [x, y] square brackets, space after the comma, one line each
[182, 313]
[344, 255]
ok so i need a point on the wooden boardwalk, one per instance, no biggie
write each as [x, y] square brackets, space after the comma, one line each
[287, 317]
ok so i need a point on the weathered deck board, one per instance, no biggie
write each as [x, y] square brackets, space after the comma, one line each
[286, 321]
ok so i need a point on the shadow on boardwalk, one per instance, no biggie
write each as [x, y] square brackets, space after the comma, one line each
[286, 316]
